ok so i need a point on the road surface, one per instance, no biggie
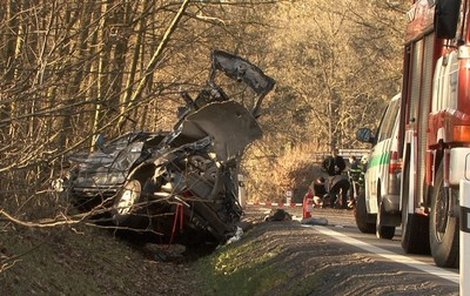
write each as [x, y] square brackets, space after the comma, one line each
[341, 229]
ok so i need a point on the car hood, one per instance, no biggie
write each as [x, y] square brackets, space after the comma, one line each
[231, 126]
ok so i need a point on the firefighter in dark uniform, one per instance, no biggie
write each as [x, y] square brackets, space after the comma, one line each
[356, 177]
[334, 164]
[338, 185]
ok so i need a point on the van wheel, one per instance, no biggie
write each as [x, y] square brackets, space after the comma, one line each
[382, 231]
[443, 227]
[361, 216]
[415, 230]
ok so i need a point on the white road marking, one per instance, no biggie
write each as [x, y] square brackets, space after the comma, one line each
[431, 269]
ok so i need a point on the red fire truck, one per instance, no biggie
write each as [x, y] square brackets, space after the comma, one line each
[435, 126]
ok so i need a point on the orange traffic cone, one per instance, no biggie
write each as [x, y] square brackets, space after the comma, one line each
[307, 205]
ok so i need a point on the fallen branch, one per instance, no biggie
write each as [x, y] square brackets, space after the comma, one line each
[5, 266]
[67, 221]
[39, 224]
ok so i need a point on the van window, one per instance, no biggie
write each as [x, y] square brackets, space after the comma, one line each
[388, 121]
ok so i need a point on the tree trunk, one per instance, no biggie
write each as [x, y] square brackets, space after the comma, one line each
[121, 25]
[142, 25]
[12, 43]
[102, 68]
[156, 58]
[78, 61]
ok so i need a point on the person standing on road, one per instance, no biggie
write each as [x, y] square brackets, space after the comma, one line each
[338, 185]
[355, 170]
[334, 164]
[355, 173]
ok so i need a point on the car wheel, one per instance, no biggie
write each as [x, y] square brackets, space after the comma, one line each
[361, 216]
[126, 203]
[443, 227]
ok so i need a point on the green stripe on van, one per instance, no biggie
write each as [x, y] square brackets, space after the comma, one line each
[380, 159]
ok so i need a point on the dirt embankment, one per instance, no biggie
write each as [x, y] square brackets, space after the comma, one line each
[283, 258]
[87, 262]
[272, 258]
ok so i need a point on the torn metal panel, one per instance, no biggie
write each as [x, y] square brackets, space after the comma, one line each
[229, 123]
[241, 70]
[108, 168]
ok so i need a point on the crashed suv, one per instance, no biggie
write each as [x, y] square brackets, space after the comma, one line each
[181, 184]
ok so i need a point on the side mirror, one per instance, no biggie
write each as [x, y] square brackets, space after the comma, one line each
[446, 18]
[365, 135]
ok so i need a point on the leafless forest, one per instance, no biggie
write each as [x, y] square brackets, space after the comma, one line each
[73, 69]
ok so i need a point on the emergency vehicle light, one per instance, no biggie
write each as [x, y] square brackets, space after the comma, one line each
[462, 133]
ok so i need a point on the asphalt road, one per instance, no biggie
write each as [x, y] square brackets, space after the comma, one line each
[342, 228]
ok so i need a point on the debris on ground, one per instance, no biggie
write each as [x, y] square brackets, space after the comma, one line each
[164, 253]
[315, 221]
[237, 236]
[278, 215]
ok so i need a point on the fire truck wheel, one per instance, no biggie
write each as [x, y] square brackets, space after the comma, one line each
[361, 216]
[415, 230]
[443, 227]
[382, 231]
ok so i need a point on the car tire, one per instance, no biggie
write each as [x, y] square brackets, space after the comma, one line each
[361, 216]
[125, 204]
[444, 228]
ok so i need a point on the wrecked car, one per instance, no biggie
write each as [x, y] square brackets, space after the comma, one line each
[181, 184]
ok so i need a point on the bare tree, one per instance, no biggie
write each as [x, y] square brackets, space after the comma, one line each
[336, 64]
[72, 69]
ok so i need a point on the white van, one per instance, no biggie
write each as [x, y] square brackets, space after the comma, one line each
[377, 208]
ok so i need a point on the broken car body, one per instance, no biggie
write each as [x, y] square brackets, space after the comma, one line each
[181, 184]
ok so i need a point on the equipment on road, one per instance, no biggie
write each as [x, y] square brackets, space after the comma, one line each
[307, 205]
